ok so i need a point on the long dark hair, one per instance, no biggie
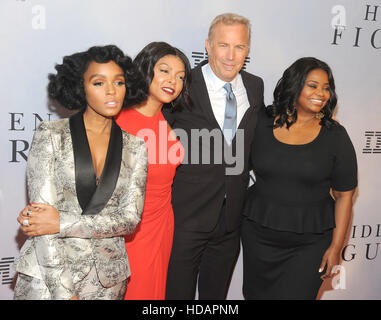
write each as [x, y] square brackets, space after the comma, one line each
[289, 87]
[67, 86]
[147, 58]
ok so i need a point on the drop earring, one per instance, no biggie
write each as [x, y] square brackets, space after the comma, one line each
[289, 112]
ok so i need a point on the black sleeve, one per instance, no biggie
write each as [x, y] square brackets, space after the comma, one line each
[262, 118]
[169, 115]
[344, 175]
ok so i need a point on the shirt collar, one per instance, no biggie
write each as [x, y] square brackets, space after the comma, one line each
[216, 83]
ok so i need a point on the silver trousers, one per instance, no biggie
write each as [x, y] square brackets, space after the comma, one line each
[89, 288]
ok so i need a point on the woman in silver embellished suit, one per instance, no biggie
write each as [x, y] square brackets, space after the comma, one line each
[88, 176]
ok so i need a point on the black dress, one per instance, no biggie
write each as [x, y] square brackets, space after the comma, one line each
[289, 213]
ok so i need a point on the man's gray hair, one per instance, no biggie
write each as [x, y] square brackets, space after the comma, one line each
[229, 19]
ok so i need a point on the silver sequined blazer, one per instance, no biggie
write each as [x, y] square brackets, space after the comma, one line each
[93, 219]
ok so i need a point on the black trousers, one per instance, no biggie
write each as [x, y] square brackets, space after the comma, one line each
[281, 265]
[210, 256]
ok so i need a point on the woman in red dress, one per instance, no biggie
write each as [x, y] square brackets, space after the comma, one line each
[167, 73]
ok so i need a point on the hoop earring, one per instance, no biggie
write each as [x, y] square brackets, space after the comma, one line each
[319, 115]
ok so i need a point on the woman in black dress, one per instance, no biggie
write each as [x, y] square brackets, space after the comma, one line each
[293, 230]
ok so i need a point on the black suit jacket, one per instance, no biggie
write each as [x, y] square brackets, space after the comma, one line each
[199, 189]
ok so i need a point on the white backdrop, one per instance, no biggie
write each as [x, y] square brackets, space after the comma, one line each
[36, 34]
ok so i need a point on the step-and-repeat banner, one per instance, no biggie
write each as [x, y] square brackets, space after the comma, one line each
[36, 34]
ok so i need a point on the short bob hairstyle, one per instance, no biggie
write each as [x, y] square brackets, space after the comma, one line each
[146, 60]
[289, 87]
[67, 85]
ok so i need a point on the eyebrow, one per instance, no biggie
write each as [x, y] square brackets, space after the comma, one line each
[317, 81]
[239, 44]
[103, 76]
[169, 66]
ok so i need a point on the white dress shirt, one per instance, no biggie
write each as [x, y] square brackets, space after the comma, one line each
[217, 95]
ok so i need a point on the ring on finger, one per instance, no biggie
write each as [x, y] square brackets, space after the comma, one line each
[25, 223]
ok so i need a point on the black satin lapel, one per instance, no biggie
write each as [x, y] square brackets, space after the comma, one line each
[84, 171]
[110, 172]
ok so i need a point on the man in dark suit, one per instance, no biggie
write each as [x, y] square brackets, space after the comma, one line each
[209, 186]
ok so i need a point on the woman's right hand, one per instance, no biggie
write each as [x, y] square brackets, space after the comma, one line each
[330, 259]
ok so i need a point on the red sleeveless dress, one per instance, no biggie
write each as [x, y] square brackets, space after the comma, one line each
[149, 247]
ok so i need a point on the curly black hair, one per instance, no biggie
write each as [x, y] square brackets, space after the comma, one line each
[151, 54]
[289, 87]
[67, 85]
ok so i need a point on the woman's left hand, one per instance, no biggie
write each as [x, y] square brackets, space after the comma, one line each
[43, 219]
[330, 259]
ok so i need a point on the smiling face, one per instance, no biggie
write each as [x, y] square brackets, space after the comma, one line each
[168, 79]
[315, 93]
[105, 88]
[227, 50]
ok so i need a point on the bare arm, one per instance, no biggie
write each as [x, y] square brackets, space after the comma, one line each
[343, 210]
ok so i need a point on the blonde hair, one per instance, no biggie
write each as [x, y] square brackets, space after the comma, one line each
[229, 19]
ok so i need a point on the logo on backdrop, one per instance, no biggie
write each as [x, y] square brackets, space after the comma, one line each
[367, 247]
[21, 127]
[372, 142]
[38, 15]
[5, 270]
[198, 57]
[367, 33]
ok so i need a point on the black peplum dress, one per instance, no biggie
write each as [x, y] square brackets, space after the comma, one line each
[289, 212]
